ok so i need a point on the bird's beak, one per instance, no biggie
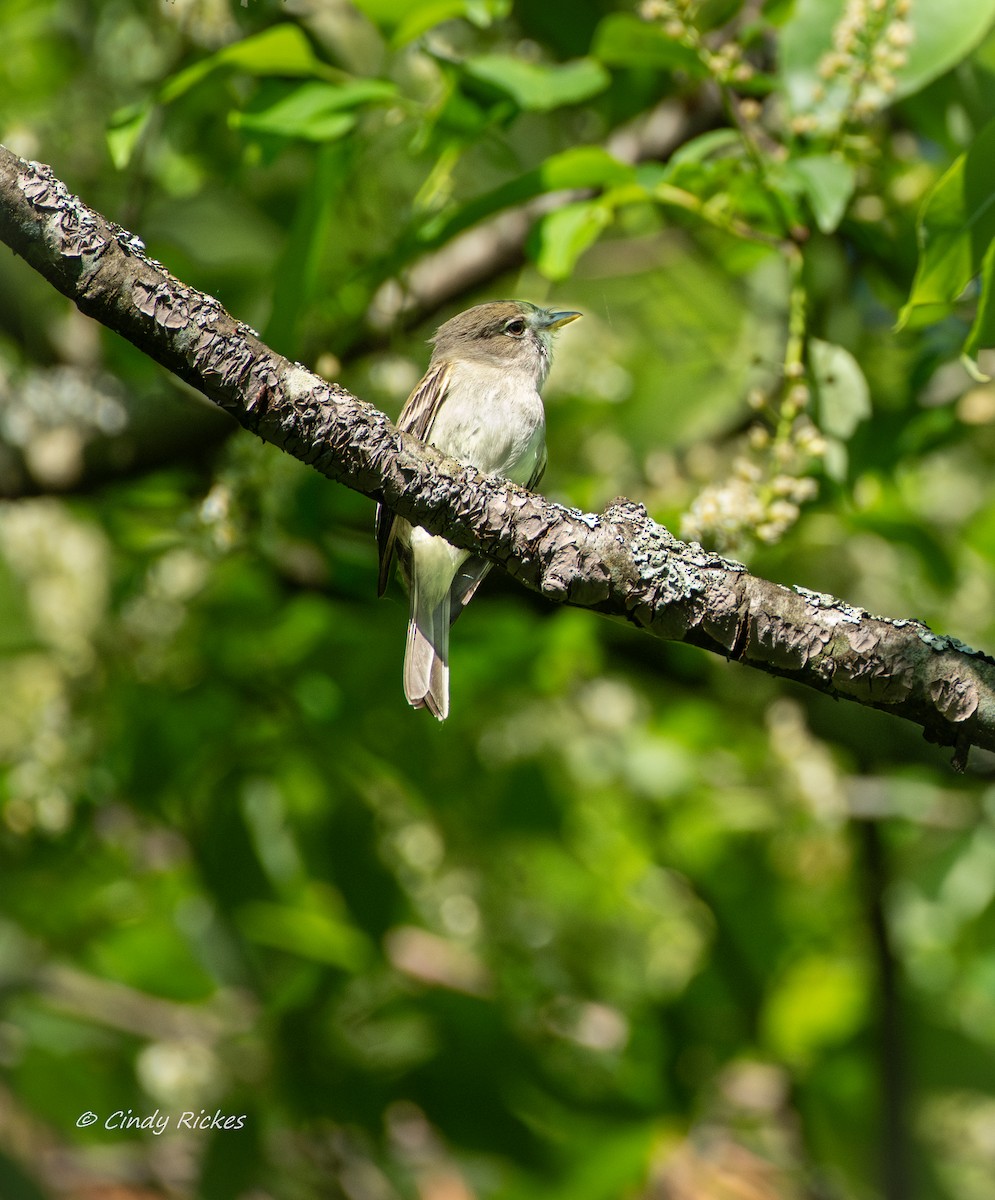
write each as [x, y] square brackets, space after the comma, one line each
[556, 320]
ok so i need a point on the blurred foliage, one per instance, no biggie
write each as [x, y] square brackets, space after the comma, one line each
[635, 922]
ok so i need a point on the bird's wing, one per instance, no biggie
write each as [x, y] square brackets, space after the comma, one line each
[539, 470]
[417, 417]
[469, 577]
[418, 414]
[473, 572]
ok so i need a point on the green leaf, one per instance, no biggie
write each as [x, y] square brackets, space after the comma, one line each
[539, 87]
[424, 18]
[836, 459]
[312, 933]
[385, 12]
[561, 237]
[282, 50]
[310, 110]
[410, 20]
[125, 131]
[943, 33]
[584, 166]
[603, 1167]
[819, 1001]
[956, 226]
[705, 145]
[296, 273]
[482, 13]
[581, 167]
[842, 398]
[326, 127]
[983, 330]
[828, 182]
[623, 40]
[841, 390]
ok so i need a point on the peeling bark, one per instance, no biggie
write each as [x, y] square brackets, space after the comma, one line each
[618, 562]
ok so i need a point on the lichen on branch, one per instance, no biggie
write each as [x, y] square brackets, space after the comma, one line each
[619, 562]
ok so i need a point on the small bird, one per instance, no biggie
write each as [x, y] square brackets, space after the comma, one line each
[478, 402]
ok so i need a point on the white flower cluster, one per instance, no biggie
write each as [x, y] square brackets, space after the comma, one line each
[676, 16]
[51, 414]
[870, 46]
[761, 498]
[61, 565]
[724, 62]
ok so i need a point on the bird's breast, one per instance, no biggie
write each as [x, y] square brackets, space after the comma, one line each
[493, 419]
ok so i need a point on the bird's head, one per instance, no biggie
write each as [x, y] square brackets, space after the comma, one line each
[507, 333]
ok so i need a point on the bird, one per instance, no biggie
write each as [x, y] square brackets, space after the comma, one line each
[478, 402]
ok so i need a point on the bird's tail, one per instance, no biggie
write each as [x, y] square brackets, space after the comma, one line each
[426, 655]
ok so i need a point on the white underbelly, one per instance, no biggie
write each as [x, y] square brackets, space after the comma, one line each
[496, 425]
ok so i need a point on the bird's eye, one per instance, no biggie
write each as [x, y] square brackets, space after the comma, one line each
[516, 327]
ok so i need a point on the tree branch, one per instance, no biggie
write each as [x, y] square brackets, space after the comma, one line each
[619, 562]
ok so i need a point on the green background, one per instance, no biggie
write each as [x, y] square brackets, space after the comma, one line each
[635, 922]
